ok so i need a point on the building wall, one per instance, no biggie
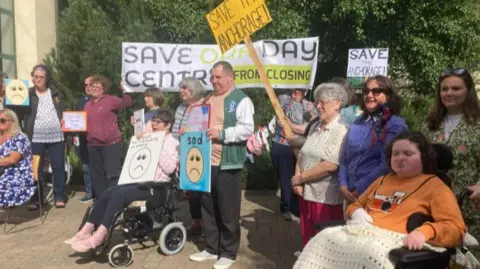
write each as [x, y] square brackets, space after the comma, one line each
[35, 31]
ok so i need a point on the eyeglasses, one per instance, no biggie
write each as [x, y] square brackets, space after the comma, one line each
[375, 91]
[39, 77]
[323, 102]
[455, 71]
[3, 120]
[158, 121]
[88, 85]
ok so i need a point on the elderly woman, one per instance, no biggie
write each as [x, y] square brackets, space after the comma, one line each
[191, 93]
[363, 157]
[16, 179]
[351, 111]
[455, 121]
[381, 214]
[153, 98]
[42, 125]
[315, 178]
[104, 141]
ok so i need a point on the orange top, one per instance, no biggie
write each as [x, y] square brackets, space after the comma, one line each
[390, 200]
[217, 108]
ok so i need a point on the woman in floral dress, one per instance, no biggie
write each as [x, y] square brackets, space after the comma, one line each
[455, 121]
[16, 179]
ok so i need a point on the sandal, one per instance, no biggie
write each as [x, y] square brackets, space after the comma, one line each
[59, 204]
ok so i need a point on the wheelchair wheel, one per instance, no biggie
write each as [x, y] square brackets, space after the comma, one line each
[120, 256]
[172, 238]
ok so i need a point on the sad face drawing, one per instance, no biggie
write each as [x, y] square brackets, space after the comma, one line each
[194, 165]
[139, 163]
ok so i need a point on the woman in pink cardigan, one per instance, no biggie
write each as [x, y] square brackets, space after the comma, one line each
[116, 198]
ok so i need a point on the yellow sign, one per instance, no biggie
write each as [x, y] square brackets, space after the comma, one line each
[233, 20]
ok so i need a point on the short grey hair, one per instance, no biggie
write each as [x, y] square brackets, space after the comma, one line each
[331, 91]
[194, 85]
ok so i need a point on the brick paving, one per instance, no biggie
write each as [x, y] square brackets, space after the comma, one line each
[267, 240]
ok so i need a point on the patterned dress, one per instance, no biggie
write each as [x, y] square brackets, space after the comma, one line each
[16, 182]
[464, 141]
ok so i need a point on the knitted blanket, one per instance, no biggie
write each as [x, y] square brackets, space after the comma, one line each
[352, 246]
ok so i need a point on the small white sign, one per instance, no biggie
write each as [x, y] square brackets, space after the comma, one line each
[367, 62]
[74, 121]
[139, 117]
[142, 158]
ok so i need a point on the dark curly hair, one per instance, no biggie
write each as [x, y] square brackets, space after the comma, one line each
[394, 101]
[428, 154]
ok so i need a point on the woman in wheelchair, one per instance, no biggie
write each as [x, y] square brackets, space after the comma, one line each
[116, 198]
[16, 174]
[380, 215]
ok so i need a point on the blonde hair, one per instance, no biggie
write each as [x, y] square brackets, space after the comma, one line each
[9, 114]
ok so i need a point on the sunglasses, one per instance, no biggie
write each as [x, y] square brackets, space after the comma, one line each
[3, 120]
[455, 72]
[375, 91]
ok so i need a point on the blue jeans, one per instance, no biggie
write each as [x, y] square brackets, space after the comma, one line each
[87, 180]
[56, 154]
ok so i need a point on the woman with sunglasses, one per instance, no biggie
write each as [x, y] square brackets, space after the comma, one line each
[454, 120]
[16, 174]
[93, 233]
[363, 157]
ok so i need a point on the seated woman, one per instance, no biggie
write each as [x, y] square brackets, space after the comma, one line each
[380, 215]
[16, 179]
[118, 197]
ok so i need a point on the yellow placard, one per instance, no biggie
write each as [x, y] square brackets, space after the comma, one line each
[233, 20]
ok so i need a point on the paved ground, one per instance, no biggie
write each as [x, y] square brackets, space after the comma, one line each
[267, 240]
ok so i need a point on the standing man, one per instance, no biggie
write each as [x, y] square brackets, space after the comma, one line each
[81, 144]
[231, 123]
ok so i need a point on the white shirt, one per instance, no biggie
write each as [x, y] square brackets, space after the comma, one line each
[450, 123]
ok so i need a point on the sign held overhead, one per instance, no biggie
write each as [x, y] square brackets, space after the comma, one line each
[233, 20]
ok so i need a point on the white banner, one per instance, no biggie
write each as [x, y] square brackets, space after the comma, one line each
[290, 63]
[367, 62]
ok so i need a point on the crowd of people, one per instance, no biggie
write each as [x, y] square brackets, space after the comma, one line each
[350, 156]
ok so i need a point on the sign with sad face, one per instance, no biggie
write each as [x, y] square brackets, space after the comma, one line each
[195, 152]
[16, 92]
[142, 158]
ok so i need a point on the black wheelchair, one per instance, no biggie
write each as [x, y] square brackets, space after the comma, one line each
[423, 259]
[155, 219]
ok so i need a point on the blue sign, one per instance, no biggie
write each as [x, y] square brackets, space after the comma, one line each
[195, 169]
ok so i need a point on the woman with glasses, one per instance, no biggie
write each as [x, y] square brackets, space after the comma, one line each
[454, 120]
[104, 140]
[363, 157]
[115, 198]
[191, 93]
[16, 175]
[42, 125]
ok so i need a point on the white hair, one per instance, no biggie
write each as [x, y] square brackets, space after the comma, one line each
[331, 91]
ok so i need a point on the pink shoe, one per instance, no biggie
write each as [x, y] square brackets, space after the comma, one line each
[83, 245]
[75, 238]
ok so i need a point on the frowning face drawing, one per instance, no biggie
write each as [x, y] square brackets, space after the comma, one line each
[139, 163]
[194, 165]
[16, 92]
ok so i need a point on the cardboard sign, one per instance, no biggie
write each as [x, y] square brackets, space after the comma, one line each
[367, 62]
[16, 92]
[139, 117]
[74, 121]
[198, 118]
[289, 64]
[142, 158]
[195, 154]
[233, 20]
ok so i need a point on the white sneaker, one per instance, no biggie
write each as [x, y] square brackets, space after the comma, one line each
[223, 263]
[202, 256]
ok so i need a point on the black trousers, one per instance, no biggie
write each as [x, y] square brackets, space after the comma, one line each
[221, 213]
[195, 205]
[105, 162]
[113, 200]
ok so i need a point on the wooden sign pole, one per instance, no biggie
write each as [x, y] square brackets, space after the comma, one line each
[268, 87]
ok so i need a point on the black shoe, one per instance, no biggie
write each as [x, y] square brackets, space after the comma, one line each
[194, 230]
[33, 206]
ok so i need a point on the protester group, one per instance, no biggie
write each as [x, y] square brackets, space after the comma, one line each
[352, 158]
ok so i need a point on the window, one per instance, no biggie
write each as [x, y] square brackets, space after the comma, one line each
[7, 34]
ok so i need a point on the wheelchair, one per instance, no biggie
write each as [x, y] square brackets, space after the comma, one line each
[155, 219]
[423, 259]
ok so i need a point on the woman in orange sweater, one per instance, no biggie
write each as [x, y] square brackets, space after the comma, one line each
[379, 217]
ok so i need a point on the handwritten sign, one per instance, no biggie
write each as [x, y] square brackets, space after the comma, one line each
[74, 121]
[139, 117]
[198, 118]
[367, 62]
[233, 20]
[142, 158]
[16, 92]
[195, 169]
